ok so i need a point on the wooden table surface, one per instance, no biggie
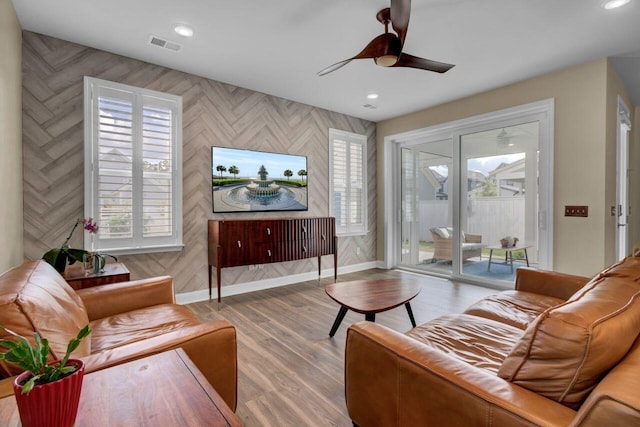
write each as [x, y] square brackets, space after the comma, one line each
[373, 296]
[508, 248]
[165, 389]
[115, 272]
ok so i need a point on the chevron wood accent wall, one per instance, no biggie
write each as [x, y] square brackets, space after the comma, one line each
[214, 113]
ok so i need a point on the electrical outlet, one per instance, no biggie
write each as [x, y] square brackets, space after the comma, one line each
[260, 266]
[252, 267]
[581, 211]
[358, 250]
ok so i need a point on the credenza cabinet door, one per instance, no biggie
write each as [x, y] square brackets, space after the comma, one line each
[264, 241]
[235, 243]
[325, 236]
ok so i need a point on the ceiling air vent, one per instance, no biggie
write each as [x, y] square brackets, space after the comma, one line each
[370, 106]
[157, 41]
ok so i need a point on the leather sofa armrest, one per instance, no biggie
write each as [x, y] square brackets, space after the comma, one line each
[108, 300]
[550, 283]
[211, 346]
[391, 379]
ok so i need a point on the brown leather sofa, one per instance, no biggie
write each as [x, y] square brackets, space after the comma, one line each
[559, 350]
[130, 320]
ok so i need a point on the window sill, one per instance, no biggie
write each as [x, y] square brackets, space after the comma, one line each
[144, 250]
[353, 234]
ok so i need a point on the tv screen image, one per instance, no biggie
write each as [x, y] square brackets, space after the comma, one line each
[251, 181]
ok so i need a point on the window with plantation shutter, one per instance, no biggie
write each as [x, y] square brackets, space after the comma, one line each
[348, 182]
[132, 168]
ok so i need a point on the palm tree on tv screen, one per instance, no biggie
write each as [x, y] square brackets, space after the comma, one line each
[288, 174]
[302, 173]
[221, 169]
[234, 171]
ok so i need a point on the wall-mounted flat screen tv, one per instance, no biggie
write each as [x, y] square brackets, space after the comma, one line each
[251, 181]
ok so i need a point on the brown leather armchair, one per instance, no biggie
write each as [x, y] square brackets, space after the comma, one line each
[130, 320]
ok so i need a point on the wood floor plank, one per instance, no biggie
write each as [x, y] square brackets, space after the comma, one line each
[290, 373]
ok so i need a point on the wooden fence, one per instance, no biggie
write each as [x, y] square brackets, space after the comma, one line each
[491, 217]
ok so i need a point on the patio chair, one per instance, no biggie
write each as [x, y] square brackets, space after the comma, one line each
[442, 251]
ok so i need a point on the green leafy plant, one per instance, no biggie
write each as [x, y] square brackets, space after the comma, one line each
[34, 359]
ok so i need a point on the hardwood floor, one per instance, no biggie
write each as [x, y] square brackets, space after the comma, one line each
[290, 373]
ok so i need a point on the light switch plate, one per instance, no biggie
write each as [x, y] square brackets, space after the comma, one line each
[580, 211]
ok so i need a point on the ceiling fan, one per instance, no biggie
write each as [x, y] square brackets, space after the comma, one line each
[386, 49]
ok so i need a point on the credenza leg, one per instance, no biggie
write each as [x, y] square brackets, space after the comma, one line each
[219, 286]
[335, 259]
[209, 270]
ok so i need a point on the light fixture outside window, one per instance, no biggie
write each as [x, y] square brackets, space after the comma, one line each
[503, 139]
[183, 29]
[613, 4]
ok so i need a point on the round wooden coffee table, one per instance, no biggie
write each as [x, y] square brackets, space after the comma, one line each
[372, 296]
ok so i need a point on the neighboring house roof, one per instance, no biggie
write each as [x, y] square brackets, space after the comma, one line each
[432, 177]
[476, 176]
[509, 171]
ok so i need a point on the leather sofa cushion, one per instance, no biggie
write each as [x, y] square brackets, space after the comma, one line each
[35, 298]
[137, 325]
[480, 342]
[567, 350]
[515, 308]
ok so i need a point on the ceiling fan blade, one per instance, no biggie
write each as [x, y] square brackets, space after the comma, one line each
[400, 12]
[332, 68]
[411, 61]
[382, 45]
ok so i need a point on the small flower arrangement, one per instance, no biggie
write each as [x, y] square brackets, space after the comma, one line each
[58, 257]
[34, 359]
[508, 241]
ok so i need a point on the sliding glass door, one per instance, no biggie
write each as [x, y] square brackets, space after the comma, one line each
[499, 200]
[463, 190]
[426, 206]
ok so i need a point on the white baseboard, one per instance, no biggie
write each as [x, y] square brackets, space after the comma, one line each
[259, 285]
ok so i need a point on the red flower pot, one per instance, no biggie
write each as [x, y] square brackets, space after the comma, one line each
[50, 405]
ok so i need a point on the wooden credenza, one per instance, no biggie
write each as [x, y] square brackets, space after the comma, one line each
[246, 242]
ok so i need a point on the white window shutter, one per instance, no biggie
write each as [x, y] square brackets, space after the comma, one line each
[133, 177]
[157, 167]
[115, 166]
[348, 189]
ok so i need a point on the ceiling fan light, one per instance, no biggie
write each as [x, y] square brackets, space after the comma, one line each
[386, 60]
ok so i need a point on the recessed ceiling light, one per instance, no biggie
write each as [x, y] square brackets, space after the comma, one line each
[613, 4]
[373, 96]
[183, 29]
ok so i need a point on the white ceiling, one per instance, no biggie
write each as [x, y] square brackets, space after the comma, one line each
[278, 46]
